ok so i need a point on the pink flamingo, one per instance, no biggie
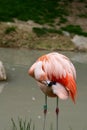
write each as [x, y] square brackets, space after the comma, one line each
[56, 77]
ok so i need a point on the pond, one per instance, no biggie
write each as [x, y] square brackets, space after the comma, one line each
[21, 97]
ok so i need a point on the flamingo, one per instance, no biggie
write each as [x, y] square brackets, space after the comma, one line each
[56, 77]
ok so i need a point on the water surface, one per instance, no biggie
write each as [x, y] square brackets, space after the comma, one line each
[21, 97]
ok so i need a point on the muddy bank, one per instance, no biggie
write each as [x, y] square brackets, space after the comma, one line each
[20, 35]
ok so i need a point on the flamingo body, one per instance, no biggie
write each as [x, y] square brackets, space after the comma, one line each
[57, 69]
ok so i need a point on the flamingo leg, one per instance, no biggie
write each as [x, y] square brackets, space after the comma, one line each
[57, 112]
[45, 112]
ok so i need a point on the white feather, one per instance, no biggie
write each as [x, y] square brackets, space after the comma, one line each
[60, 91]
[38, 72]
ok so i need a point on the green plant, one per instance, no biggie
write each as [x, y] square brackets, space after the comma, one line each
[43, 31]
[40, 11]
[10, 29]
[22, 125]
[75, 29]
[40, 31]
[86, 6]
[82, 15]
[82, 0]
[62, 20]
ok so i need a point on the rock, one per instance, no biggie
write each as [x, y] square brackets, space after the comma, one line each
[66, 33]
[2, 72]
[80, 42]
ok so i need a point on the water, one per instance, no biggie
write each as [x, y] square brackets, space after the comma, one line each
[21, 97]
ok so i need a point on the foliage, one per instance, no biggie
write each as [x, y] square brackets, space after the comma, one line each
[75, 29]
[82, 0]
[43, 31]
[82, 15]
[62, 20]
[22, 125]
[10, 29]
[40, 11]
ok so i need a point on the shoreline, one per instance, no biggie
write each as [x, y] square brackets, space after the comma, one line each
[20, 35]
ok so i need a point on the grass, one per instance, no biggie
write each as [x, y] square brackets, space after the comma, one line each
[8, 30]
[75, 29]
[40, 11]
[62, 20]
[45, 31]
[82, 15]
[82, 0]
[22, 125]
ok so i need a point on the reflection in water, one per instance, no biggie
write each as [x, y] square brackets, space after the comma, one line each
[21, 97]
